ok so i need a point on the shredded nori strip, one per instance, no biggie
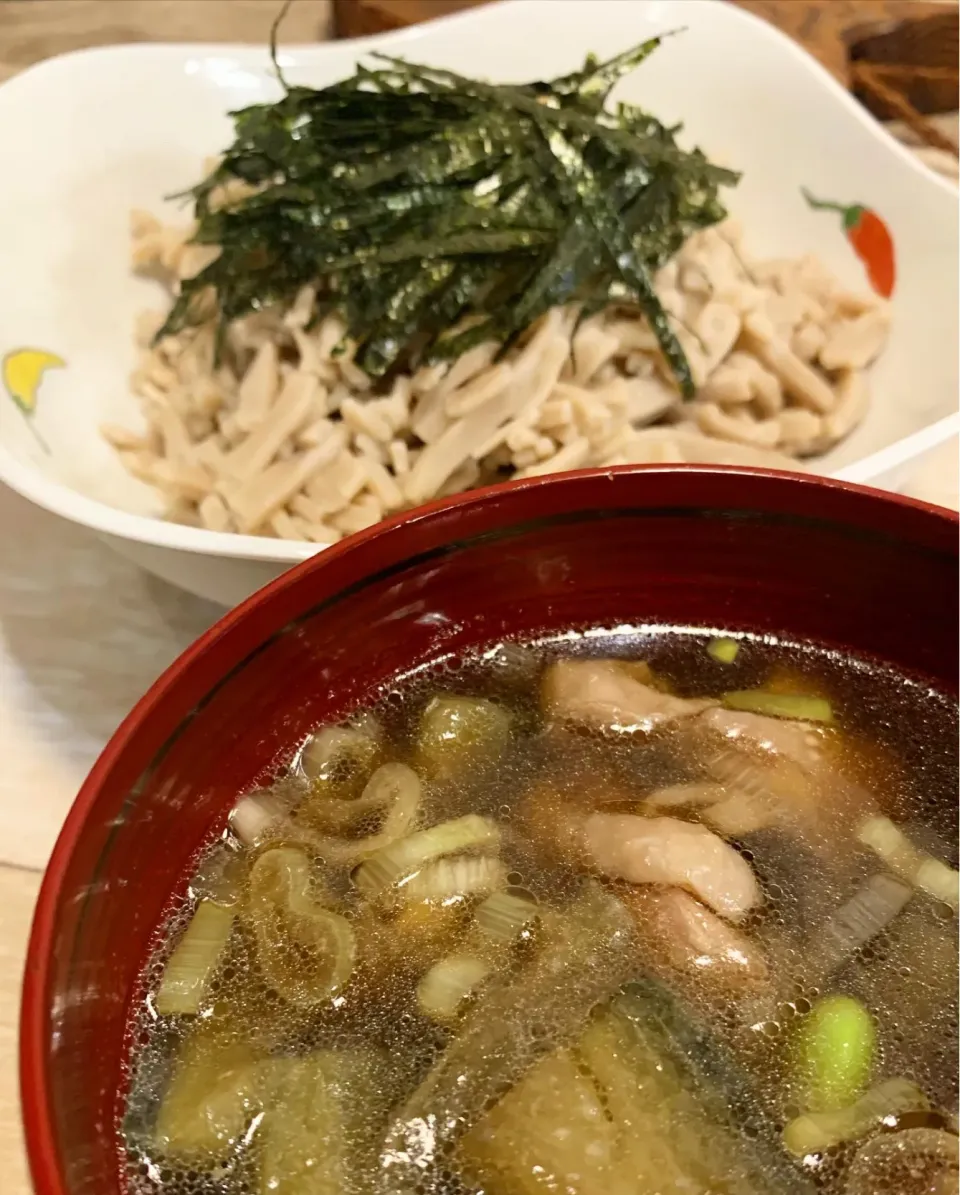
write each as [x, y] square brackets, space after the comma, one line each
[414, 200]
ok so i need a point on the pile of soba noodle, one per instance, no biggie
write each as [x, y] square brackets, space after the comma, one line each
[287, 437]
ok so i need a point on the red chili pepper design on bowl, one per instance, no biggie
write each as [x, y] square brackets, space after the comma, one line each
[870, 238]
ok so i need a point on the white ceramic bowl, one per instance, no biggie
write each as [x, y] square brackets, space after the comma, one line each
[88, 136]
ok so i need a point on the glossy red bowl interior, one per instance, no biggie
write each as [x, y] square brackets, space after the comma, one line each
[814, 560]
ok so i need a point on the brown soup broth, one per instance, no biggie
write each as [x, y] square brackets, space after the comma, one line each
[892, 745]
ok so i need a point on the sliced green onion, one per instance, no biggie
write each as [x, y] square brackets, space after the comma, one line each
[457, 732]
[255, 818]
[400, 859]
[801, 706]
[221, 876]
[505, 915]
[836, 1046]
[443, 991]
[328, 750]
[724, 651]
[905, 860]
[463, 875]
[394, 787]
[191, 966]
[815, 1132]
[498, 922]
[262, 817]
[305, 951]
[938, 880]
[867, 913]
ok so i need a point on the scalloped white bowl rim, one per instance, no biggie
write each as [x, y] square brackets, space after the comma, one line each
[148, 530]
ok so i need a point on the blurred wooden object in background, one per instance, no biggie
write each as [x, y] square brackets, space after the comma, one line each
[907, 71]
[359, 18]
[818, 25]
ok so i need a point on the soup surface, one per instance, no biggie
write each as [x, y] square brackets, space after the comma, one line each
[618, 913]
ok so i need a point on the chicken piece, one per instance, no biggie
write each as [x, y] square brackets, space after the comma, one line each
[796, 741]
[738, 814]
[684, 796]
[760, 791]
[722, 806]
[680, 937]
[763, 772]
[819, 804]
[663, 850]
[603, 694]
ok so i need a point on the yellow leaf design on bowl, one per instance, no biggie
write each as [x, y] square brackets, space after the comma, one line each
[23, 371]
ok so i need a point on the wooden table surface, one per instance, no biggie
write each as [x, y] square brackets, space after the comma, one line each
[73, 616]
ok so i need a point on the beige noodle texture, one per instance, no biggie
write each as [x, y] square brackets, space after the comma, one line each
[286, 436]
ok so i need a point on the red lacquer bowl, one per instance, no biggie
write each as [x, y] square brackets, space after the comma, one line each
[831, 563]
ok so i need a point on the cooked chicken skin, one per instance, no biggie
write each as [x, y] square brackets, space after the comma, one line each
[680, 935]
[603, 694]
[800, 742]
[664, 850]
